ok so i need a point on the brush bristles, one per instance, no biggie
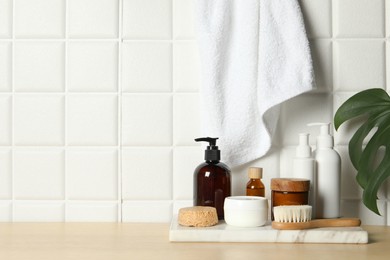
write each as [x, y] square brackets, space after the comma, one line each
[300, 213]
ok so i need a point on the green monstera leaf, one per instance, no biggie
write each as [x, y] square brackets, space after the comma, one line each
[373, 107]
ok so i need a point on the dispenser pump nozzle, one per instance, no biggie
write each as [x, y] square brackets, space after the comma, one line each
[324, 139]
[211, 153]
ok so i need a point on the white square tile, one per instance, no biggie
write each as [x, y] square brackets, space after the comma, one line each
[317, 15]
[146, 120]
[92, 120]
[5, 211]
[38, 174]
[359, 18]
[147, 19]
[93, 18]
[356, 208]
[147, 211]
[271, 168]
[92, 66]
[91, 212]
[38, 120]
[5, 66]
[186, 119]
[186, 67]
[304, 109]
[38, 212]
[185, 161]
[5, 174]
[322, 62]
[39, 66]
[359, 64]
[146, 173]
[92, 174]
[5, 119]
[147, 67]
[5, 18]
[184, 19]
[39, 18]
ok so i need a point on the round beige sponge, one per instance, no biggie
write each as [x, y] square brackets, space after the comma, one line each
[198, 216]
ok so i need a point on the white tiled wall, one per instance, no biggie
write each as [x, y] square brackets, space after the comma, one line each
[99, 105]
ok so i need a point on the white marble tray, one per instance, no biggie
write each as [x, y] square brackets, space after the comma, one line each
[225, 233]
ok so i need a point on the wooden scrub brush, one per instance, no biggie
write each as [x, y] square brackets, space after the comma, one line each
[299, 217]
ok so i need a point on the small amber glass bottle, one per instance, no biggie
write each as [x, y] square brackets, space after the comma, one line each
[289, 191]
[255, 186]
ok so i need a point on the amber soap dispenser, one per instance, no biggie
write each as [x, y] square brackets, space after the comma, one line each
[212, 182]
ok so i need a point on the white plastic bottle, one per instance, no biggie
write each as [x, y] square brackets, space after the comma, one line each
[304, 166]
[328, 174]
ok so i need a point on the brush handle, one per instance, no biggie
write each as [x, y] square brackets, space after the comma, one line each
[337, 222]
[317, 223]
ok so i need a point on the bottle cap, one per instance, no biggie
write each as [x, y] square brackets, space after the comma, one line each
[255, 173]
[303, 149]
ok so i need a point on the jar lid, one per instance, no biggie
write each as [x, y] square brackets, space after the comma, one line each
[255, 173]
[290, 184]
[239, 203]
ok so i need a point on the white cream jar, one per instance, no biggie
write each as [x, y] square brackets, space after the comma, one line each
[246, 211]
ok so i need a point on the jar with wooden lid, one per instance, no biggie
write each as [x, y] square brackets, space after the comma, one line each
[289, 191]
